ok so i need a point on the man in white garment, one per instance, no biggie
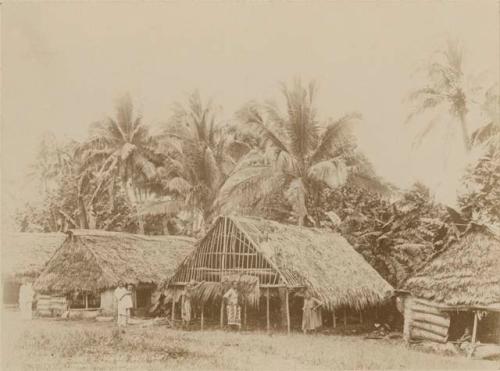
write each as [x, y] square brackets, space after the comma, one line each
[123, 299]
[26, 294]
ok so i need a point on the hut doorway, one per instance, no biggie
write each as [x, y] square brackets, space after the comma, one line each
[459, 321]
[143, 296]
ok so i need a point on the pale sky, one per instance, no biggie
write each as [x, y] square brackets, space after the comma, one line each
[64, 65]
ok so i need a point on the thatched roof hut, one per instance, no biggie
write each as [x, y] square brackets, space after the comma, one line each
[285, 256]
[25, 254]
[466, 274]
[91, 260]
[453, 290]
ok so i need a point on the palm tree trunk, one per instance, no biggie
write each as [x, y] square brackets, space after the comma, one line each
[132, 200]
[82, 215]
[465, 132]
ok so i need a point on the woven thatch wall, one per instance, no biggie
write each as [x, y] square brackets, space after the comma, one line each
[320, 260]
[466, 273]
[24, 254]
[96, 260]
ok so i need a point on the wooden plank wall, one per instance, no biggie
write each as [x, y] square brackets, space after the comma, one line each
[424, 320]
[51, 305]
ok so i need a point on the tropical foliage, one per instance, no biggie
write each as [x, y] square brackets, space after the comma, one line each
[200, 152]
[283, 163]
[123, 149]
[394, 235]
[296, 154]
[447, 86]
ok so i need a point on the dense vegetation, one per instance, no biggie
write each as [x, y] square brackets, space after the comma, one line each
[278, 162]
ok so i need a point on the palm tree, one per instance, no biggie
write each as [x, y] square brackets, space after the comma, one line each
[200, 153]
[488, 135]
[52, 161]
[447, 86]
[123, 148]
[297, 155]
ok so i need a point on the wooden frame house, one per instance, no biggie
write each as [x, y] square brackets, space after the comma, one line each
[283, 260]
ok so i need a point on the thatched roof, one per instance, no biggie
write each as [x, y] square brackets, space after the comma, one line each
[465, 274]
[24, 254]
[318, 259]
[95, 260]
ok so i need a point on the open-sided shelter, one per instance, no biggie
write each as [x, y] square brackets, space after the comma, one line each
[91, 263]
[459, 287]
[284, 259]
[23, 257]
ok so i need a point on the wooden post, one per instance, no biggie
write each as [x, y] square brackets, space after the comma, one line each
[360, 316]
[245, 314]
[474, 335]
[222, 313]
[408, 318]
[345, 317]
[173, 308]
[287, 312]
[334, 317]
[202, 316]
[86, 300]
[267, 310]
[182, 308]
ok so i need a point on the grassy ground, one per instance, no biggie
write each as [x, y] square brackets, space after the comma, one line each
[44, 344]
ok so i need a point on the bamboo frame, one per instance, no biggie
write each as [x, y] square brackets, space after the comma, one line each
[226, 250]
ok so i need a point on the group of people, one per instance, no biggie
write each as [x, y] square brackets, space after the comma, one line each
[311, 317]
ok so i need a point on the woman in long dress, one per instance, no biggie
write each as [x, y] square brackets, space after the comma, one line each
[233, 307]
[311, 317]
[124, 303]
[26, 294]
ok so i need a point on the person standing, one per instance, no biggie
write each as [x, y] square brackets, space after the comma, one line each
[124, 303]
[26, 294]
[311, 316]
[232, 305]
[187, 296]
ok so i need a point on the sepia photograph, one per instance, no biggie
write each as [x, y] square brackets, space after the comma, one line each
[250, 185]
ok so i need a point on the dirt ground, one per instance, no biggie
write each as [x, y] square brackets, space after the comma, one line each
[48, 344]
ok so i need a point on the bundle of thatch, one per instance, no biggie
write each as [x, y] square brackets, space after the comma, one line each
[92, 260]
[466, 273]
[212, 292]
[24, 254]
